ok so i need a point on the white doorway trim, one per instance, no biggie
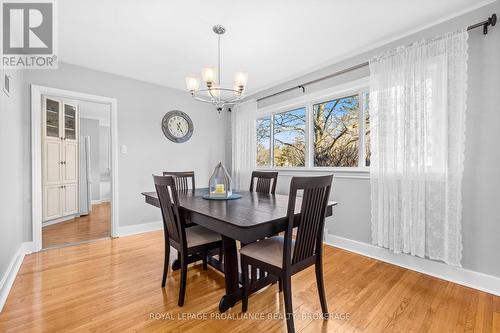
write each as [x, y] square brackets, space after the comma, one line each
[36, 154]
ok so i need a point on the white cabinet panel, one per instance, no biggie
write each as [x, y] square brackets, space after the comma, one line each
[70, 122]
[52, 118]
[70, 199]
[70, 165]
[52, 203]
[60, 166]
[52, 167]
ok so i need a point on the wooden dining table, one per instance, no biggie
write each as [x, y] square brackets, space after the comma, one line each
[252, 217]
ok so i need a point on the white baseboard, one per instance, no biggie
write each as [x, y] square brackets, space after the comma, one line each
[139, 228]
[28, 248]
[142, 228]
[96, 202]
[10, 275]
[462, 276]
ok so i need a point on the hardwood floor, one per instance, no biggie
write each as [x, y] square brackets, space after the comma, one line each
[114, 286]
[93, 226]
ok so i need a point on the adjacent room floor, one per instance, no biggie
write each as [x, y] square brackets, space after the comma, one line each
[93, 226]
[113, 285]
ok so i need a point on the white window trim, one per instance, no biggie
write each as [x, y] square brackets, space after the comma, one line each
[307, 101]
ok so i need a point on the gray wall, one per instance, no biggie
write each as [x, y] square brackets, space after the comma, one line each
[12, 203]
[104, 152]
[141, 107]
[90, 127]
[481, 221]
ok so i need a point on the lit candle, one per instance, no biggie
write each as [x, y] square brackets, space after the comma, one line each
[219, 188]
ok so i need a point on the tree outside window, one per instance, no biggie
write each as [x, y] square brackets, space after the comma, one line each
[336, 132]
[289, 138]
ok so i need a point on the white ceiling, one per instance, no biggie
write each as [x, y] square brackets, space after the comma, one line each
[162, 41]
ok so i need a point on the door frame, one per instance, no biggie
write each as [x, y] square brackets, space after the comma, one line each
[37, 92]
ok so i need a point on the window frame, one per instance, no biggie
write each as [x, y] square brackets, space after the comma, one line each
[307, 101]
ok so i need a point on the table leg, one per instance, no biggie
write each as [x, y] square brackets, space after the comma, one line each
[233, 292]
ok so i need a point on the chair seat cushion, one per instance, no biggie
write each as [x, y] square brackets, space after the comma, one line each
[198, 235]
[269, 250]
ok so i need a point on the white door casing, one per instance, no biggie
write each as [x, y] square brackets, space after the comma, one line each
[38, 132]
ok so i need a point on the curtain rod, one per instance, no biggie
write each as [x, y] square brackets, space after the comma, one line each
[490, 21]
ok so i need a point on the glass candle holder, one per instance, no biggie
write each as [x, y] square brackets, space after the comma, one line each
[220, 183]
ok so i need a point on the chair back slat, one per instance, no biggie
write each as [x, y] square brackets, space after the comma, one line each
[316, 193]
[181, 179]
[266, 182]
[263, 185]
[169, 204]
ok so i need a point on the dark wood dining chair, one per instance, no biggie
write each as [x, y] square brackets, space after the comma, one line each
[266, 181]
[182, 179]
[282, 257]
[189, 242]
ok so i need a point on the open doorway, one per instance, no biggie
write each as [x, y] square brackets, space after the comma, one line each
[76, 171]
[74, 157]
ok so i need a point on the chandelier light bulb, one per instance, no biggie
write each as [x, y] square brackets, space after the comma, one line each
[240, 79]
[192, 83]
[209, 75]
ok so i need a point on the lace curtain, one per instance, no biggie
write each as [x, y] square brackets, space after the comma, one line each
[417, 115]
[243, 134]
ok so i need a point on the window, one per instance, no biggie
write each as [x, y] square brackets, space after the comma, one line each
[336, 132]
[332, 132]
[290, 138]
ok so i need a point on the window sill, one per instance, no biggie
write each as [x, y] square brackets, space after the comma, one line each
[351, 173]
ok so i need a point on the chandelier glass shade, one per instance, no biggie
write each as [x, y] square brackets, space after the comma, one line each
[213, 92]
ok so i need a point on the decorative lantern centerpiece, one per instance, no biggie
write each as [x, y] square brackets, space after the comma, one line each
[220, 184]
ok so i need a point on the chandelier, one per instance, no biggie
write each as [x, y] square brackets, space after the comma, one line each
[214, 93]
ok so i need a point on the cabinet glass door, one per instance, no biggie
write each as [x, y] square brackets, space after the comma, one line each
[69, 122]
[52, 118]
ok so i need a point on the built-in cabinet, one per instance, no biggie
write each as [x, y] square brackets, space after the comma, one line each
[60, 172]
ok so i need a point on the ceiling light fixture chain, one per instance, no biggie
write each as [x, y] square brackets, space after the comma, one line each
[219, 30]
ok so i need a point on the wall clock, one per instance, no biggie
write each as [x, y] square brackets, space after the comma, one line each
[177, 126]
